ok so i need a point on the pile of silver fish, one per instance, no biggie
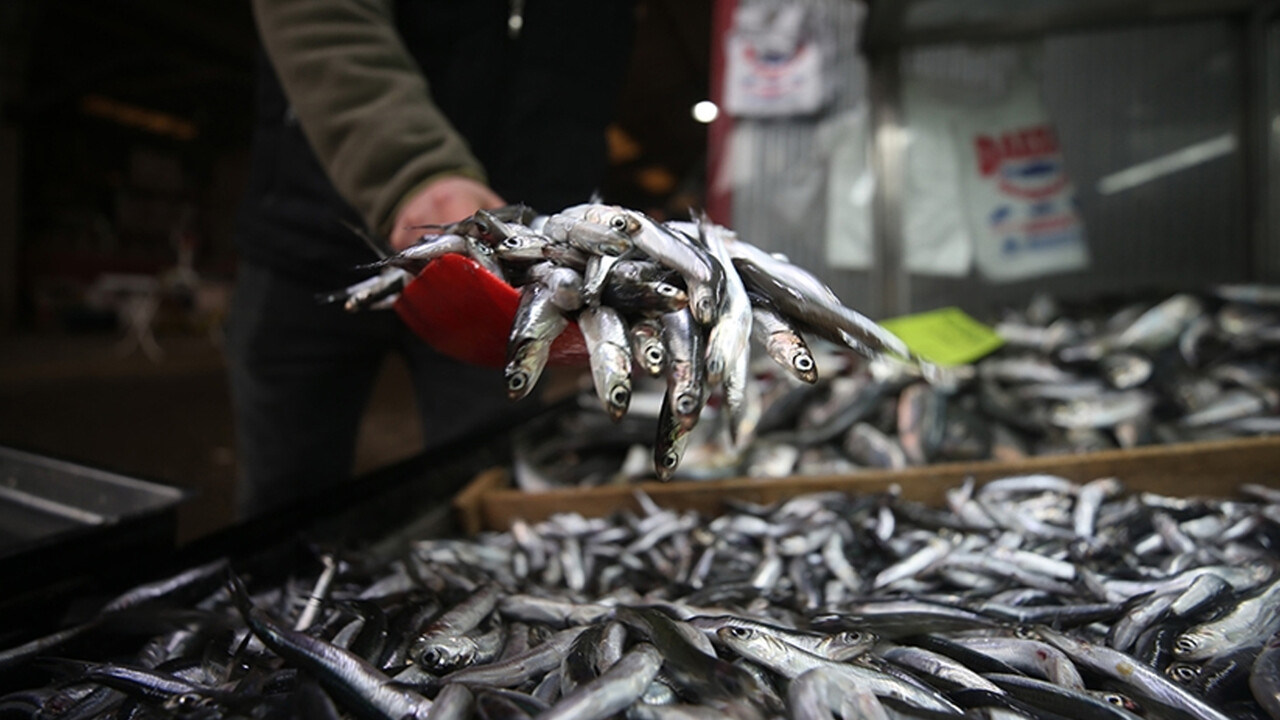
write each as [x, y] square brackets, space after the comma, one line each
[1027, 597]
[1185, 368]
[676, 300]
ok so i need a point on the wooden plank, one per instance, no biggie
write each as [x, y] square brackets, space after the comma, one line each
[468, 503]
[1210, 468]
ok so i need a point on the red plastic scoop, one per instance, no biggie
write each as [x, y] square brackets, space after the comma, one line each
[465, 312]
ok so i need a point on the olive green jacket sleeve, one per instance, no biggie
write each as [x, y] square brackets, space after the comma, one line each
[362, 101]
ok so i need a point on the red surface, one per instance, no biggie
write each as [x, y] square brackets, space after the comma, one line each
[719, 194]
[465, 312]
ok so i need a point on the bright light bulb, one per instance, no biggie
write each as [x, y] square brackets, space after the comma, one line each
[705, 111]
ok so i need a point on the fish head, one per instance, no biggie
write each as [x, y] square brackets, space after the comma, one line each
[705, 305]
[665, 462]
[1070, 414]
[487, 225]
[654, 356]
[687, 403]
[738, 636]
[615, 218]
[674, 296]
[521, 247]
[1183, 673]
[187, 702]
[1191, 643]
[751, 643]
[1120, 700]
[447, 653]
[619, 400]
[805, 366]
[848, 644]
[519, 381]
[799, 359]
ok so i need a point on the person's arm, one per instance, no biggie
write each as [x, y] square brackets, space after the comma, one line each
[366, 110]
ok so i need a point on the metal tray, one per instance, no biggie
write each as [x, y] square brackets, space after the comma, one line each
[61, 522]
[41, 498]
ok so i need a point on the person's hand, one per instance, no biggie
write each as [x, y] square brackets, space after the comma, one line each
[449, 199]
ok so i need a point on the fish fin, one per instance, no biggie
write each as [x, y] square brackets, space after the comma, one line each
[64, 667]
[239, 593]
[369, 240]
[376, 264]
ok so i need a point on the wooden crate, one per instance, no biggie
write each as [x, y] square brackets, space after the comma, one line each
[1216, 468]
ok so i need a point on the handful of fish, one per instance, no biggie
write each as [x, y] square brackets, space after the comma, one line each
[1183, 369]
[1027, 597]
[677, 300]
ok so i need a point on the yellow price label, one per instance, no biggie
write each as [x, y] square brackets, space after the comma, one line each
[947, 336]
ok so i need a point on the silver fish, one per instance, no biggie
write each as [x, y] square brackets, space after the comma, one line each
[614, 691]
[608, 343]
[803, 296]
[729, 340]
[792, 661]
[564, 283]
[646, 346]
[686, 366]
[1103, 411]
[538, 322]
[787, 347]
[1130, 672]
[1255, 617]
[1161, 326]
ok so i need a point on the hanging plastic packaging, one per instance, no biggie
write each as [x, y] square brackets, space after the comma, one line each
[1019, 202]
[985, 183]
[774, 63]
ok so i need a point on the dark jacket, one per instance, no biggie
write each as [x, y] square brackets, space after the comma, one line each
[348, 127]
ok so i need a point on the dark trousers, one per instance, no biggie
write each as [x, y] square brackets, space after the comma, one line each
[301, 375]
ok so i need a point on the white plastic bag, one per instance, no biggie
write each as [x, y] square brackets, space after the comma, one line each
[984, 180]
[773, 63]
[1019, 202]
[851, 193]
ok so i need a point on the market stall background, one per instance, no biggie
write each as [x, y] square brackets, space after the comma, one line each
[125, 133]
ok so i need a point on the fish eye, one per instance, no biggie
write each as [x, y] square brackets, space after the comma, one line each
[517, 381]
[1185, 644]
[619, 222]
[1184, 673]
[668, 290]
[715, 365]
[742, 633]
[187, 701]
[850, 636]
[620, 396]
[512, 242]
[686, 404]
[670, 460]
[803, 362]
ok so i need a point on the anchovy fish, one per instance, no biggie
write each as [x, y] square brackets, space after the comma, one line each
[812, 605]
